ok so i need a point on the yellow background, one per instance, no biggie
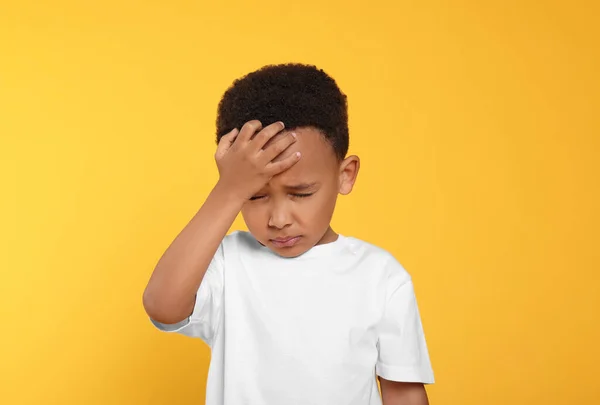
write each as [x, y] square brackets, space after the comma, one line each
[477, 125]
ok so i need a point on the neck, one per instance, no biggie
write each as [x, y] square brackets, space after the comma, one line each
[328, 237]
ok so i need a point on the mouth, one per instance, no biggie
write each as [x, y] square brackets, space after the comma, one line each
[285, 242]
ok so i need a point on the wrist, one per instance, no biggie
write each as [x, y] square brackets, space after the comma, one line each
[228, 195]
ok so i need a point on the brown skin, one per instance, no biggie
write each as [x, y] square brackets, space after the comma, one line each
[401, 393]
[245, 166]
[301, 200]
[264, 163]
[248, 161]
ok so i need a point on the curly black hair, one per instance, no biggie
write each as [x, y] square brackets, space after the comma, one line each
[297, 94]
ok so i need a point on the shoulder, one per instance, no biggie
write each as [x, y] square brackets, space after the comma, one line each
[393, 271]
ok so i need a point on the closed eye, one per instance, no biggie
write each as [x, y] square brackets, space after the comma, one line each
[297, 195]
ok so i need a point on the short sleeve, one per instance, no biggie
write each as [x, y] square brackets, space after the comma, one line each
[403, 354]
[204, 321]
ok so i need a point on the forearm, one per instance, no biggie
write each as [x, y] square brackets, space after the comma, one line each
[170, 294]
[399, 393]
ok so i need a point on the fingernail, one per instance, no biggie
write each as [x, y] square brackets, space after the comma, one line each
[282, 124]
[298, 154]
[294, 134]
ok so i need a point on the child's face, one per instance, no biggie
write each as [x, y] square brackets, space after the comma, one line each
[291, 214]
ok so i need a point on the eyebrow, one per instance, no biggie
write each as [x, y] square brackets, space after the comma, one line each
[303, 186]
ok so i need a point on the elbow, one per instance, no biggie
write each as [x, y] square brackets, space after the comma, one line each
[149, 304]
[162, 312]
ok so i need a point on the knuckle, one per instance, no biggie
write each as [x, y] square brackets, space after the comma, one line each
[263, 135]
[271, 170]
[279, 147]
[256, 164]
[287, 141]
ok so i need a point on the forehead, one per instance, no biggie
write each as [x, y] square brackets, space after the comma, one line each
[318, 158]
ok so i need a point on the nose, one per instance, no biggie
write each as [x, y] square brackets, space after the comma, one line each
[280, 216]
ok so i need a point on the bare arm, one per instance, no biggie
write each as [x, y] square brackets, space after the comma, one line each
[401, 393]
[171, 291]
[244, 168]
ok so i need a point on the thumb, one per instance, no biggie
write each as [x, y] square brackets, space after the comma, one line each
[225, 142]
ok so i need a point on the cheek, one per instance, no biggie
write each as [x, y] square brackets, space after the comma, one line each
[321, 208]
[253, 215]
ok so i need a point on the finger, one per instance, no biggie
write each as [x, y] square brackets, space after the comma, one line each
[226, 141]
[274, 168]
[248, 130]
[263, 137]
[277, 148]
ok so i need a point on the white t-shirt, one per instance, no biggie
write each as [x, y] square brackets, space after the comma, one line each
[309, 330]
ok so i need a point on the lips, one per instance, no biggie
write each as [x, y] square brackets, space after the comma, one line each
[284, 239]
[288, 241]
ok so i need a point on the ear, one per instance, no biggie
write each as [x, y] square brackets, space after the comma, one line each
[348, 173]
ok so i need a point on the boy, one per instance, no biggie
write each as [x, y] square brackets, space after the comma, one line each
[294, 313]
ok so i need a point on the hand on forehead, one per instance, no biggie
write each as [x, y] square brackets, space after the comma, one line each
[310, 143]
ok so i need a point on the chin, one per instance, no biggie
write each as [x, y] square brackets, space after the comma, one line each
[296, 249]
[288, 252]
